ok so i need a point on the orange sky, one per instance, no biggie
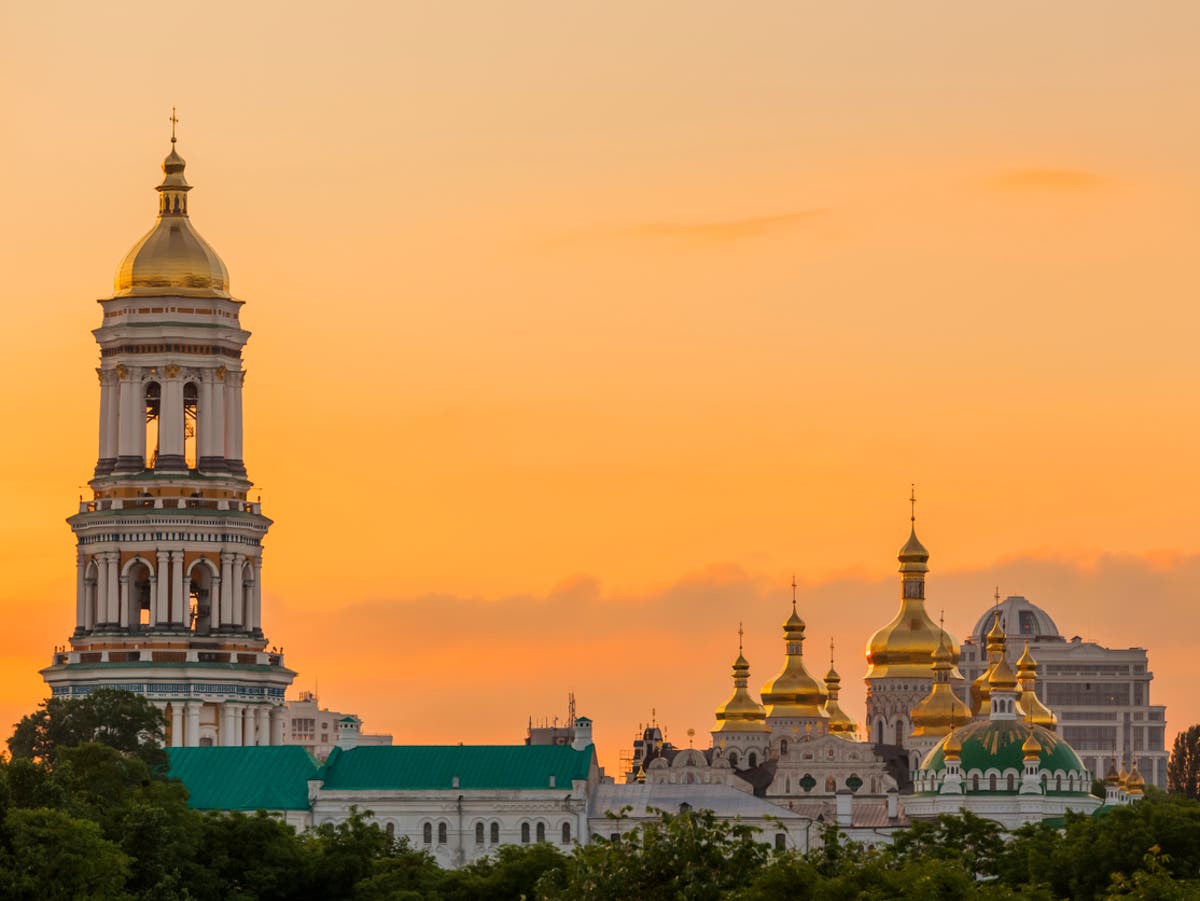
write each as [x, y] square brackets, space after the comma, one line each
[579, 327]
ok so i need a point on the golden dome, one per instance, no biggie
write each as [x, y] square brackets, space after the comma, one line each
[840, 722]
[1002, 677]
[1035, 710]
[741, 713]
[951, 746]
[172, 258]
[793, 692]
[981, 704]
[905, 646]
[1134, 783]
[1111, 776]
[1031, 747]
[941, 710]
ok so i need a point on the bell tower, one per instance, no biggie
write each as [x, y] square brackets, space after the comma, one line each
[169, 547]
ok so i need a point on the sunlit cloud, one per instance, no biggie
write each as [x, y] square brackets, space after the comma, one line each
[1048, 179]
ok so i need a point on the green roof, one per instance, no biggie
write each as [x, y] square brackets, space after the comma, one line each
[253, 778]
[996, 744]
[432, 767]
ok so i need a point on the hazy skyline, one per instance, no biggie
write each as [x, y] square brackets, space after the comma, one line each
[622, 315]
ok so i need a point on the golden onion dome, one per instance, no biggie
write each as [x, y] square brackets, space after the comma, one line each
[981, 704]
[793, 692]
[1035, 710]
[1134, 783]
[1002, 677]
[1111, 776]
[952, 746]
[913, 556]
[941, 710]
[741, 713]
[1123, 777]
[840, 722]
[172, 258]
[1031, 748]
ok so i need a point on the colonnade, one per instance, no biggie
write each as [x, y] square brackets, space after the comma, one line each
[123, 418]
[237, 724]
[104, 590]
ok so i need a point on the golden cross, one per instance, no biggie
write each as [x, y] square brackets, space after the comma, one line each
[912, 500]
[739, 636]
[793, 591]
[174, 120]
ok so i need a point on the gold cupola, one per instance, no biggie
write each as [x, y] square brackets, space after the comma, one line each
[941, 710]
[172, 259]
[741, 713]
[840, 722]
[1031, 748]
[980, 689]
[1037, 712]
[1134, 783]
[904, 647]
[794, 694]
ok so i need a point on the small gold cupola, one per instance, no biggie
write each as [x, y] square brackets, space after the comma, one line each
[840, 722]
[1039, 714]
[741, 713]
[905, 646]
[793, 693]
[980, 688]
[939, 711]
[172, 259]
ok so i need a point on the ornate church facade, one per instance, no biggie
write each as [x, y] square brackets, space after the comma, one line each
[169, 551]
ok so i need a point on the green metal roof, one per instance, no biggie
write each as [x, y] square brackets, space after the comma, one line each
[432, 767]
[996, 744]
[254, 778]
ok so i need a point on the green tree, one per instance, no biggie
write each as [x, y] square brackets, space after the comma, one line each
[969, 840]
[120, 719]
[1183, 769]
[406, 874]
[49, 855]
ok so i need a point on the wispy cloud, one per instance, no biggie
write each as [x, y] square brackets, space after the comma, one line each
[1048, 179]
[728, 229]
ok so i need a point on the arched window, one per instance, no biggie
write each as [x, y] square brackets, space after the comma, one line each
[899, 732]
[975, 782]
[495, 833]
[390, 829]
[1058, 783]
[441, 833]
[566, 833]
[992, 782]
[783, 746]
[479, 833]
[753, 758]
[879, 732]
[733, 758]
[541, 832]
[1012, 781]
[525, 833]
[428, 833]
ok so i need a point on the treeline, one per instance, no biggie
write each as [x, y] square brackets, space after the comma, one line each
[86, 812]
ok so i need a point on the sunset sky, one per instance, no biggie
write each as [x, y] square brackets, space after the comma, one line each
[578, 328]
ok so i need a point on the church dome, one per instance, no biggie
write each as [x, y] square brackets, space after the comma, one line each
[172, 258]
[741, 713]
[1000, 747]
[941, 710]
[793, 692]
[1020, 618]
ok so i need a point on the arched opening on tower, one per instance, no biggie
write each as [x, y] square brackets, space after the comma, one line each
[153, 396]
[190, 397]
[140, 596]
[200, 596]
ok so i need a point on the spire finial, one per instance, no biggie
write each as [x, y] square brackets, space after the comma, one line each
[793, 592]
[831, 652]
[174, 121]
[739, 638]
[912, 500]
[996, 596]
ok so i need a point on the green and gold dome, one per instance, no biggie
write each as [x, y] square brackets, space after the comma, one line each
[999, 747]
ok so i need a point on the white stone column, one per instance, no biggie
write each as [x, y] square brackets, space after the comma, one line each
[80, 591]
[177, 735]
[112, 615]
[277, 719]
[110, 395]
[248, 736]
[256, 593]
[101, 588]
[178, 599]
[226, 727]
[91, 599]
[262, 729]
[229, 615]
[233, 418]
[162, 601]
[212, 418]
[123, 612]
[170, 421]
[192, 739]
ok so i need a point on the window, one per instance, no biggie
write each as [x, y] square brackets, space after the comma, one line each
[390, 829]
[479, 833]
[566, 833]
[541, 832]
[615, 837]
[495, 833]
[441, 833]
[733, 759]
[780, 841]
[525, 833]
[1012, 782]
[992, 782]
[975, 782]
[753, 760]
[783, 746]
[428, 833]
